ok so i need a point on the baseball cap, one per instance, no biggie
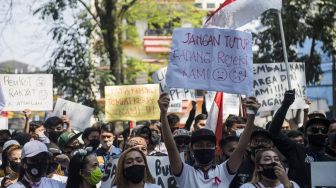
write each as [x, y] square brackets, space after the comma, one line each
[181, 133]
[317, 113]
[53, 149]
[319, 120]
[33, 148]
[10, 143]
[202, 134]
[66, 138]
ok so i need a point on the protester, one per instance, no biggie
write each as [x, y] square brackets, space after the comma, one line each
[182, 141]
[269, 172]
[203, 144]
[331, 146]
[68, 142]
[36, 130]
[296, 136]
[234, 126]
[260, 139]
[55, 127]
[137, 142]
[54, 169]
[107, 150]
[174, 122]
[11, 163]
[200, 121]
[299, 157]
[84, 169]
[91, 137]
[228, 145]
[133, 172]
[35, 158]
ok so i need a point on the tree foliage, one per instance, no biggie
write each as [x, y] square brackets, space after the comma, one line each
[94, 35]
[304, 21]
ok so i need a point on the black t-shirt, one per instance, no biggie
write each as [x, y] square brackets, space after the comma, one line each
[244, 173]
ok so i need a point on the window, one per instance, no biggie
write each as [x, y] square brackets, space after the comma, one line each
[198, 5]
[211, 5]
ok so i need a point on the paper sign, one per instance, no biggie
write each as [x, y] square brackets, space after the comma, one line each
[175, 106]
[79, 115]
[211, 59]
[159, 167]
[270, 83]
[132, 102]
[323, 174]
[231, 104]
[27, 91]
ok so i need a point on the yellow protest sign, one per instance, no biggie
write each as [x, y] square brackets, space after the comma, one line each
[132, 102]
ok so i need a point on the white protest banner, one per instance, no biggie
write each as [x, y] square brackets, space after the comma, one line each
[158, 166]
[27, 91]
[176, 95]
[211, 59]
[323, 174]
[270, 83]
[79, 115]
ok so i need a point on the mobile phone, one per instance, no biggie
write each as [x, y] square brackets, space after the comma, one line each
[65, 126]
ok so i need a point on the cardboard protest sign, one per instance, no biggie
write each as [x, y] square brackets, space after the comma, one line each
[27, 91]
[176, 95]
[270, 83]
[323, 174]
[132, 102]
[211, 59]
[79, 115]
[159, 167]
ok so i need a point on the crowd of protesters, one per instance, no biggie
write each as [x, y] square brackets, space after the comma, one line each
[51, 154]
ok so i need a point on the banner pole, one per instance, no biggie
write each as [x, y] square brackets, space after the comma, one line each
[284, 48]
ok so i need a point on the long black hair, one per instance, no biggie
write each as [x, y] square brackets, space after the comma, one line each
[76, 165]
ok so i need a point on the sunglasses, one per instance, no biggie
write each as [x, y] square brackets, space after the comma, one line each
[316, 130]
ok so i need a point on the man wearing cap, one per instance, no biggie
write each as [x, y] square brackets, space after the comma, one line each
[68, 142]
[203, 144]
[35, 158]
[299, 156]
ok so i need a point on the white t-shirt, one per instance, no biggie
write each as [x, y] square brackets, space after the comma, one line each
[60, 178]
[147, 185]
[216, 177]
[260, 185]
[45, 182]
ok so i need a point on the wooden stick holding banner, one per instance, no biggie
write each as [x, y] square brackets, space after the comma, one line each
[284, 47]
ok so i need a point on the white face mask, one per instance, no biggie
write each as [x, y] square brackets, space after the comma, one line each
[239, 132]
[43, 138]
[107, 144]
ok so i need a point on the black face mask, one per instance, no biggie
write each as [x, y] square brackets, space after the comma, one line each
[155, 138]
[317, 139]
[204, 156]
[52, 168]
[53, 135]
[135, 173]
[15, 166]
[37, 171]
[268, 171]
[94, 143]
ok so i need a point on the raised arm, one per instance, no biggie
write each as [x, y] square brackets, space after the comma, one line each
[26, 113]
[280, 115]
[173, 154]
[191, 116]
[204, 109]
[236, 157]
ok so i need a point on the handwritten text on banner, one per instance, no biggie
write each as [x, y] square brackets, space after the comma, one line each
[132, 102]
[270, 83]
[27, 91]
[211, 59]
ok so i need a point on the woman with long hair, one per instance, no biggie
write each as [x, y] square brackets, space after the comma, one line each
[83, 171]
[269, 172]
[133, 172]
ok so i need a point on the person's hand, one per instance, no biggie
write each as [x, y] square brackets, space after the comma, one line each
[308, 102]
[252, 105]
[7, 182]
[193, 104]
[62, 159]
[289, 98]
[27, 113]
[66, 119]
[164, 102]
[281, 174]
